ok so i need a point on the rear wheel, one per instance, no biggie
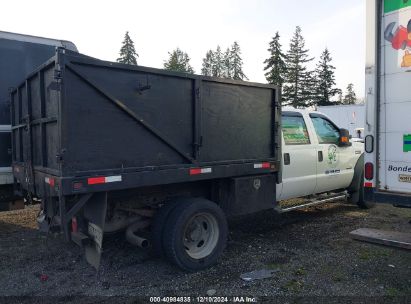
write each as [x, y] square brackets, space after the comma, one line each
[195, 234]
[158, 227]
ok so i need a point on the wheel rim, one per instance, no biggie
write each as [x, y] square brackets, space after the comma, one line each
[201, 235]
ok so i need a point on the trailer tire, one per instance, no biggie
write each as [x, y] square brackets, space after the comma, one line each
[195, 234]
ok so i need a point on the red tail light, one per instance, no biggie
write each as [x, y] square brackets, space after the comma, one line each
[74, 226]
[369, 171]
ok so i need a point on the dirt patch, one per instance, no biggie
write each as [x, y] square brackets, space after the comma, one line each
[311, 249]
[18, 220]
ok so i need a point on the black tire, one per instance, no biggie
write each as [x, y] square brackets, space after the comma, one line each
[158, 226]
[361, 202]
[214, 234]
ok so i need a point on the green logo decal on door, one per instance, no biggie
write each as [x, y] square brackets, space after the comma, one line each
[395, 5]
[407, 143]
[332, 157]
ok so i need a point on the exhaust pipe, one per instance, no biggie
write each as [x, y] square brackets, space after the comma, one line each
[119, 222]
[133, 238]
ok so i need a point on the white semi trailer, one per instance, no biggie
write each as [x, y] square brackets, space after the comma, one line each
[388, 103]
[350, 117]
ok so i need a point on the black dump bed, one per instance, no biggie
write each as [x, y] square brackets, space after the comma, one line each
[81, 125]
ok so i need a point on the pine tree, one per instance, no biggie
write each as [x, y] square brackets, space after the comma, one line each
[350, 97]
[178, 62]
[207, 69]
[308, 89]
[128, 53]
[217, 67]
[227, 64]
[237, 63]
[298, 81]
[325, 81]
[275, 64]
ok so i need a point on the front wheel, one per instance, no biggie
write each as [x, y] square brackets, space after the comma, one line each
[195, 234]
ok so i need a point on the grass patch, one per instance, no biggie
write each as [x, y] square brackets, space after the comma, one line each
[383, 252]
[333, 273]
[337, 277]
[300, 271]
[294, 285]
[273, 266]
[277, 262]
[402, 212]
[356, 214]
[367, 254]
[392, 292]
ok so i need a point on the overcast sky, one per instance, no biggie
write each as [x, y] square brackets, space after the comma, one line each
[159, 26]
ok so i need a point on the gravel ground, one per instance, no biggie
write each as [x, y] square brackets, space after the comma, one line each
[310, 252]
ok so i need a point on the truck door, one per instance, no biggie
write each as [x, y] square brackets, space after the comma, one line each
[299, 157]
[335, 166]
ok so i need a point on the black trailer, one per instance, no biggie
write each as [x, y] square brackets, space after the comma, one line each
[111, 147]
[19, 56]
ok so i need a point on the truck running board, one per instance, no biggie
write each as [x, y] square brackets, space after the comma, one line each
[317, 201]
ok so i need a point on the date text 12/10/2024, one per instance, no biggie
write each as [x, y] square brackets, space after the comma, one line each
[205, 299]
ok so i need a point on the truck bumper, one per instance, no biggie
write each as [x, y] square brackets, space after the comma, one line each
[396, 199]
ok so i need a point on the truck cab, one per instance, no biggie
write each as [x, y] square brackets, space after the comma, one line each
[317, 155]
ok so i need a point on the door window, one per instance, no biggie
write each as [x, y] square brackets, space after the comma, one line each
[295, 131]
[327, 133]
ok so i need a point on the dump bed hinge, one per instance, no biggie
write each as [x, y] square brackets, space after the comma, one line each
[57, 74]
[54, 86]
[198, 145]
[60, 156]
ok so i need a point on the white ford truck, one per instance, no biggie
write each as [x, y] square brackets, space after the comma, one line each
[314, 161]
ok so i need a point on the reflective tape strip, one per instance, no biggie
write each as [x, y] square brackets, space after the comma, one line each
[96, 180]
[49, 181]
[262, 166]
[104, 179]
[112, 179]
[196, 171]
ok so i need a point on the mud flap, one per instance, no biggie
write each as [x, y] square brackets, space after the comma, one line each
[95, 213]
[356, 182]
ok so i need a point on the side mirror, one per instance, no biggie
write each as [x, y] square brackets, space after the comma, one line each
[344, 140]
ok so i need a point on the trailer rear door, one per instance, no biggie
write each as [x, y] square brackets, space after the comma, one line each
[394, 141]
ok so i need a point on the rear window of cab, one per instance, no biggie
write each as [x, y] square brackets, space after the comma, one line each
[294, 130]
